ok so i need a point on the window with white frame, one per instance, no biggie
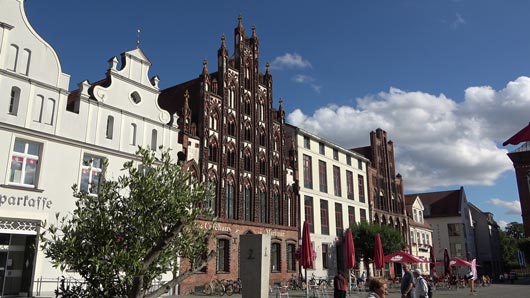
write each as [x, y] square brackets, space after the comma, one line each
[110, 127]
[132, 136]
[25, 163]
[91, 171]
[13, 103]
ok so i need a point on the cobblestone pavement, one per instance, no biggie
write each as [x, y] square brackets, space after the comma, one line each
[520, 289]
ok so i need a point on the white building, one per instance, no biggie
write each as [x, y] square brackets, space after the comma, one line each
[333, 185]
[420, 231]
[52, 139]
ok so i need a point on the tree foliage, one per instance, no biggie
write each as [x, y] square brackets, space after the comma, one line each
[134, 230]
[515, 230]
[364, 237]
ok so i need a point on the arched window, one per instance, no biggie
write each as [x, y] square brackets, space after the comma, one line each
[24, 62]
[276, 169]
[247, 203]
[231, 130]
[262, 138]
[263, 214]
[12, 58]
[247, 133]
[276, 257]
[110, 127]
[214, 121]
[135, 97]
[154, 139]
[261, 112]
[132, 136]
[212, 151]
[230, 208]
[37, 108]
[212, 184]
[50, 111]
[223, 255]
[247, 106]
[276, 207]
[248, 162]
[262, 165]
[15, 99]
[231, 97]
[291, 260]
[231, 157]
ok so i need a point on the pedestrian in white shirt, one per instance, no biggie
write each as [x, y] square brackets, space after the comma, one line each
[420, 285]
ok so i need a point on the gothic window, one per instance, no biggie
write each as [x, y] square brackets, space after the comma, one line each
[247, 106]
[276, 207]
[214, 121]
[231, 157]
[230, 208]
[263, 206]
[248, 162]
[231, 97]
[262, 165]
[212, 151]
[231, 129]
[212, 184]
[247, 133]
[247, 203]
[276, 169]
[262, 138]
[261, 112]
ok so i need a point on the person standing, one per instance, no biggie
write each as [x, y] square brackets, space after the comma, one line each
[340, 285]
[421, 289]
[406, 282]
[377, 288]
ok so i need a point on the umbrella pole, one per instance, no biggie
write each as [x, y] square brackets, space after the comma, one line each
[306, 284]
[349, 281]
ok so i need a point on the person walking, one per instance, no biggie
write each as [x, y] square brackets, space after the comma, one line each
[406, 282]
[340, 285]
[421, 289]
[377, 288]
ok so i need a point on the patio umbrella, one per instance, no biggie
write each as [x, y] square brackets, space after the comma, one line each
[447, 266]
[306, 259]
[349, 250]
[378, 253]
[432, 260]
[402, 257]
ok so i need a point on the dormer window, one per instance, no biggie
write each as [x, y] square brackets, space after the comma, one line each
[135, 97]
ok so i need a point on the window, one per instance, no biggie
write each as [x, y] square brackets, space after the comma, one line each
[247, 202]
[363, 214]
[261, 112]
[247, 161]
[338, 220]
[276, 206]
[308, 209]
[247, 133]
[110, 127]
[24, 62]
[412, 237]
[223, 255]
[13, 103]
[321, 148]
[276, 169]
[38, 104]
[231, 97]
[91, 171]
[50, 109]
[349, 185]
[418, 238]
[154, 139]
[132, 136]
[12, 58]
[230, 201]
[275, 257]
[291, 260]
[263, 207]
[335, 154]
[322, 176]
[135, 97]
[336, 181]
[415, 215]
[325, 251]
[348, 160]
[262, 165]
[262, 138]
[324, 217]
[25, 163]
[211, 204]
[359, 164]
[454, 229]
[212, 151]
[360, 181]
[307, 143]
[351, 215]
[247, 107]
[231, 158]
[213, 121]
[231, 130]
[420, 216]
[308, 176]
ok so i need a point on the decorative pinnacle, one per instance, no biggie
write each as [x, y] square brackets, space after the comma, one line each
[186, 98]
[138, 38]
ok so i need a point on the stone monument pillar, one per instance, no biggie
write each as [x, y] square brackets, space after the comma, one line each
[254, 265]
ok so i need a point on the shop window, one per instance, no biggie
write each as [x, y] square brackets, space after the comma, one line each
[25, 163]
[91, 171]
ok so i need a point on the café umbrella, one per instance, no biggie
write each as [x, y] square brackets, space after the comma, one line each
[306, 259]
[402, 257]
[447, 266]
[349, 250]
[379, 262]
[432, 260]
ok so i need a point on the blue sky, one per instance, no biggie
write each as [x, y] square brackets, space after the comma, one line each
[448, 80]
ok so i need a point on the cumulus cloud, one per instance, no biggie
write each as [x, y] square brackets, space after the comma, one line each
[438, 142]
[502, 224]
[305, 79]
[290, 61]
[511, 207]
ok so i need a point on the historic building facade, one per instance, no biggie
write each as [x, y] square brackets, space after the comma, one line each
[521, 163]
[52, 139]
[420, 231]
[242, 152]
[333, 195]
[385, 188]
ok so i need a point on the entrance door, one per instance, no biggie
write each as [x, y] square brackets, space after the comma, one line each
[4, 250]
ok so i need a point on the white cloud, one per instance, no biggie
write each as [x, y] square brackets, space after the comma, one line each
[438, 142]
[290, 61]
[459, 20]
[511, 207]
[305, 79]
[502, 224]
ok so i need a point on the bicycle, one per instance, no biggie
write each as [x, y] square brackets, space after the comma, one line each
[296, 283]
[218, 287]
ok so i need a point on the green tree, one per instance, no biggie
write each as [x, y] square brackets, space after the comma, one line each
[364, 237]
[515, 230]
[508, 249]
[134, 231]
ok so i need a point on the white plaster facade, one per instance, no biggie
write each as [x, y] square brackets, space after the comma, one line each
[335, 159]
[52, 139]
[420, 233]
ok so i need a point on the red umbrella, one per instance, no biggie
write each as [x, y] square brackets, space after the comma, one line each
[447, 266]
[402, 257]
[432, 260]
[378, 253]
[522, 136]
[349, 249]
[306, 259]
